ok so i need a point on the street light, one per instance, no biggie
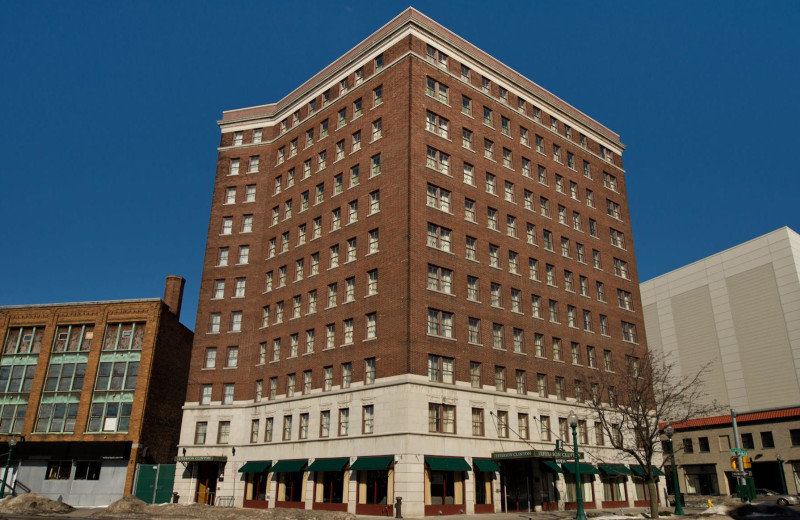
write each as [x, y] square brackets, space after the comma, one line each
[11, 443]
[573, 422]
[670, 431]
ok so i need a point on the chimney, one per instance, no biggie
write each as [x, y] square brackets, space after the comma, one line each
[173, 293]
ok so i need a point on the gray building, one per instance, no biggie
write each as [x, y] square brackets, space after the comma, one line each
[738, 310]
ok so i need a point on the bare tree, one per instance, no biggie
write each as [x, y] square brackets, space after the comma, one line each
[633, 407]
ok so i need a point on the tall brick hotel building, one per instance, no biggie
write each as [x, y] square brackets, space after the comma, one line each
[416, 261]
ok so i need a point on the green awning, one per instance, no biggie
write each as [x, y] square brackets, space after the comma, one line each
[614, 470]
[586, 469]
[639, 471]
[372, 463]
[329, 464]
[255, 466]
[552, 466]
[289, 466]
[447, 464]
[486, 465]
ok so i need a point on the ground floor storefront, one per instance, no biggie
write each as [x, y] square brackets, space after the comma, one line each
[432, 485]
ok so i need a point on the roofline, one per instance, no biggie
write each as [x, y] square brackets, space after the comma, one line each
[787, 228]
[413, 18]
[66, 304]
[725, 420]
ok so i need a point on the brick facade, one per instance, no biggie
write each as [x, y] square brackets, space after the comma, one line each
[162, 354]
[425, 202]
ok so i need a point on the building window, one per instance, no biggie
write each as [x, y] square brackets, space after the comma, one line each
[344, 421]
[477, 422]
[438, 237]
[287, 427]
[441, 418]
[502, 424]
[440, 279]
[325, 423]
[520, 382]
[303, 426]
[223, 432]
[368, 419]
[440, 323]
[500, 378]
[437, 90]
[766, 440]
[440, 369]
[200, 432]
[475, 331]
[747, 441]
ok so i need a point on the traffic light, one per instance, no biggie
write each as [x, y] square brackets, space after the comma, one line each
[746, 462]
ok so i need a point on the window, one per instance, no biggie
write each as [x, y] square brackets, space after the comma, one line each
[560, 388]
[214, 322]
[440, 369]
[472, 288]
[437, 160]
[617, 238]
[200, 431]
[377, 130]
[441, 418]
[475, 331]
[437, 90]
[440, 323]
[591, 358]
[587, 320]
[356, 141]
[227, 226]
[439, 198]
[536, 306]
[436, 56]
[376, 165]
[348, 331]
[377, 95]
[351, 250]
[596, 260]
[253, 165]
[466, 139]
[494, 259]
[287, 427]
[477, 422]
[703, 446]
[604, 325]
[519, 380]
[438, 237]
[498, 334]
[628, 332]
[488, 149]
[511, 226]
[621, 268]
[437, 124]
[344, 421]
[502, 424]
[368, 419]
[466, 105]
[440, 279]
[505, 127]
[541, 385]
[232, 361]
[613, 209]
[469, 177]
[247, 223]
[766, 441]
[688, 446]
[557, 154]
[487, 116]
[500, 378]
[496, 294]
[486, 85]
[347, 375]
[747, 441]
[469, 210]
[625, 299]
[471, 248]
[795, 436]
[553, 308]
[491, 216]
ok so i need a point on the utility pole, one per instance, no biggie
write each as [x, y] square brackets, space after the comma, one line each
[739, 462]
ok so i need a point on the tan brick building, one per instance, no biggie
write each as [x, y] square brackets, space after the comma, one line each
[771, 439]
[416, 259]
[91, 389]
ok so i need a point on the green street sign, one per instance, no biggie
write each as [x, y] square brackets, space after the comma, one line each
[739, 452]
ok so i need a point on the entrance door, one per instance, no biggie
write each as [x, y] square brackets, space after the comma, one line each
[516, 478]
[207, 474]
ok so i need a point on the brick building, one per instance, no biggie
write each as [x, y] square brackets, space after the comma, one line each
[89, 390]
[771, 439]
[415, 260]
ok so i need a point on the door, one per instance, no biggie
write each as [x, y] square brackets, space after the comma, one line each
[207, 474]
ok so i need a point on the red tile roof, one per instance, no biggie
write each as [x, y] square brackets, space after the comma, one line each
[720, 420]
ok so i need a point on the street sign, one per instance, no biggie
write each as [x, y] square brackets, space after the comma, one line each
[741, 473]
[739, 452]
[563, 461]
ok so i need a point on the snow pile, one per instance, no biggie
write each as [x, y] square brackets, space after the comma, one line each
[33, 504]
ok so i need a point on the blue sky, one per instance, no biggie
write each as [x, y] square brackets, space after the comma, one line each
[109, 141]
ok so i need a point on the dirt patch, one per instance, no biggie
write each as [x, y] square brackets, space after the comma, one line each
[133, 508]
[33, 504]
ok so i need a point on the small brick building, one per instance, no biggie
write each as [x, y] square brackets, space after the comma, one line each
[415, 260]
[91, 389]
